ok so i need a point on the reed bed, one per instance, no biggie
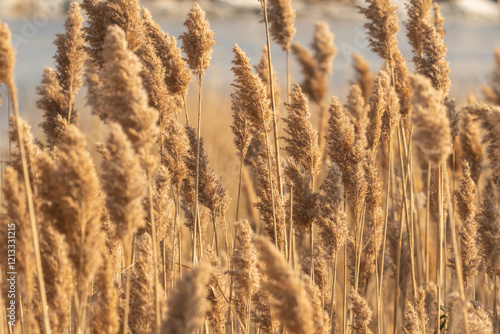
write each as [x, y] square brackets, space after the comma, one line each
[383, 217]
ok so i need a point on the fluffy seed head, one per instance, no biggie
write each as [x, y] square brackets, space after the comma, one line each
[198, 41]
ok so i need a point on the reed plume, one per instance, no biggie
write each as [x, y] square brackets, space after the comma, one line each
[177, 74]
[7, 61]
[324, 47]
[358, 113]
[363, 75]
[153, 77]
[245, 273]
[428, 45]
[321, 319]
[374, 215]
[70, 57]
[251, 95]
[491, 91]
[382, 28]
[123, 99]
[438, 19]
[415, 318]
[198, 41]
[59, 277]
[142, 291]
[418, 13]
[384, 111]
[479, 320]
[303, 160]
[93, 84]
[54, 104]
[347, 154]
[175, 149]
[74, 209]
[126, 14]
[15, 221]
[466, 209]
[488, 231]
[282, 17]
[291, 303]
[217, 285]
[162, 203]
[124, 184]
[362, 314]
[212, 193]
[317, 67]
[332, 219]
[189, 304]
[472, 148]
[489, 118]
[262, 69]
[431, 125]
[106, 318]
[33, 151]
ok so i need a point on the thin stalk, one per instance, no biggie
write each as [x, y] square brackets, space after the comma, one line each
[127, 259]
[427, 223]
[273, 102]
[311, 240]
[34, 231]
[398, 272]
[155, 255]
[344, 311]
[458, 265]
[291, 228]
[495, 312]
[359, 247]
[440, 243]
[176, 218]
[185, 109]
[215, 234]
[288, 75]
[239, 188]
[386, 216]
[270, 176]
[70, 106]
[407, 179]
[197, 178]
[334, 274]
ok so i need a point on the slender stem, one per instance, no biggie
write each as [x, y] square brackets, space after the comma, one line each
[197, 178]
[311, 231]
[70, 106]
[288, 75]
[270, 178]
[239, 187]
[440, 242]
[344, 311]
[334, 274]
[273, 102]
[458, 263]
[290, 257]
[398, 272]
[386, 217]
[155, 255]
[127, 259]
[34, 231]
[185, 109]
[427, 223]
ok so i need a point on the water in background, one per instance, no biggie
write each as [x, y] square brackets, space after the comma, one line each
[470, 53]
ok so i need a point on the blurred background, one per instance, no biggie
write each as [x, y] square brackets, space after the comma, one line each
[472, 30]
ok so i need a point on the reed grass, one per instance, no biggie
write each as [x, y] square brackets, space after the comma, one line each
[354, 225]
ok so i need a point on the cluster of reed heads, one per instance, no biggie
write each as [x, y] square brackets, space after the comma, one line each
[382, 218]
